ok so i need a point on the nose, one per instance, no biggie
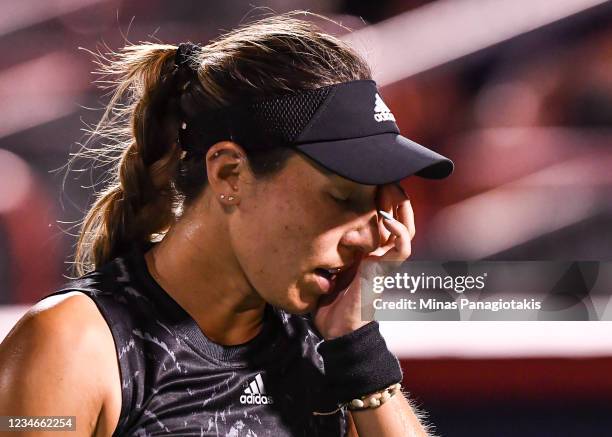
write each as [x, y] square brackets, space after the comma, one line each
[363, 235]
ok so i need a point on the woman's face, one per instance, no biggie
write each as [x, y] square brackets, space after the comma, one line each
[300, 220]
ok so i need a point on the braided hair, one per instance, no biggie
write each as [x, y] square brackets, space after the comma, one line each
[151, 180]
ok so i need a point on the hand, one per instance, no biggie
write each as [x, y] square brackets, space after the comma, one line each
[340, 312]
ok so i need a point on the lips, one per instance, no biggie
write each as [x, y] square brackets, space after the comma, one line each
[326, 278]
[328, 273]
[329, 277]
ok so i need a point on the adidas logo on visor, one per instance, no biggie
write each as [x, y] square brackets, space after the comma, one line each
[255, 393]
[382, 111]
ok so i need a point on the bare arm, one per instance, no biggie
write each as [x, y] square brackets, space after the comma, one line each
[55, 362]
[395, 418]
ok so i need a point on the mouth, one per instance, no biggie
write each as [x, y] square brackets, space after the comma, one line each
[328, 277]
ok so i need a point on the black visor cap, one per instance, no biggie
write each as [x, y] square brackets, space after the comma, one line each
[379, 159]
[346, 128]
[354, 134]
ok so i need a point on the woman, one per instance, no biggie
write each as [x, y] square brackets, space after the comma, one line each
[218, 290]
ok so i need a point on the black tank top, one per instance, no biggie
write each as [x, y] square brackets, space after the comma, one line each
[176, 381]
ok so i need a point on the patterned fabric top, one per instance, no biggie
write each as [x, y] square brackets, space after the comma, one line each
[176, 381]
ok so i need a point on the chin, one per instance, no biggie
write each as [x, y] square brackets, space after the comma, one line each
[299, 308]
[295, 300]
[302, 311]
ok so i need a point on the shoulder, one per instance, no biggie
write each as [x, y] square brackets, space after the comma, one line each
[69, 321]
[59, 350]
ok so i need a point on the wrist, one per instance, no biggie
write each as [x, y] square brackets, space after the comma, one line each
[358, 363]
[337, 332]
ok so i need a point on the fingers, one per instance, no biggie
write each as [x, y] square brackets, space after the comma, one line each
[381, 250]
[389, 195]
[384, 233]
[396, 194]
[402, 248]
[398, 231]
[403, 209]
[405, 215]
[383, 203]
[392, 198]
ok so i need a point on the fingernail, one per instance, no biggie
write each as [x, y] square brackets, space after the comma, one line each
[386, 215]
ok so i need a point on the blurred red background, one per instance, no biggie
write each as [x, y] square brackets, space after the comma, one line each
[518, 94]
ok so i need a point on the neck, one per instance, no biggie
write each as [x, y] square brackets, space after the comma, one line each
[204, 277]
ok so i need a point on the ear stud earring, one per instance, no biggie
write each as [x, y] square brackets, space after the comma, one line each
[229, 198]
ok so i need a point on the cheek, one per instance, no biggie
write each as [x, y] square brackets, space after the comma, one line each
[270, 239]
[281, 235]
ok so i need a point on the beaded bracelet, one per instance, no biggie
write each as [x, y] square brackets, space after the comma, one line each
[372, 400]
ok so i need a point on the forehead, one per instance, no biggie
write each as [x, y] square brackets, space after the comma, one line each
[311, 175]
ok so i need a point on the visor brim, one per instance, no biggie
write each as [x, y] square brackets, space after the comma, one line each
[378, 159]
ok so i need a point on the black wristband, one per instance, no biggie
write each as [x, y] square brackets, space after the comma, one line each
[357, 364]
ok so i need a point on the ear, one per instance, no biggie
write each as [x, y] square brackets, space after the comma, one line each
[227, 170]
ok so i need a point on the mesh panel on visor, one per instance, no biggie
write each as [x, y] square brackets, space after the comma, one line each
[337, 126]
[262, 123]
[284, 118]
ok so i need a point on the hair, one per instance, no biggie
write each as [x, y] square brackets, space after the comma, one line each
[150, 181]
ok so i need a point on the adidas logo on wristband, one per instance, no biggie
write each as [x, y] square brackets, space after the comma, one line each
[255, 393]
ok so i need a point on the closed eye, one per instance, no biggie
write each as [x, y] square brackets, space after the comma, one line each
[349, 204]
[353, 202]
[340, 199]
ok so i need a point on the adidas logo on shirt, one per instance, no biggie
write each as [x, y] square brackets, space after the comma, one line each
[382, 111]
[255, 393]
